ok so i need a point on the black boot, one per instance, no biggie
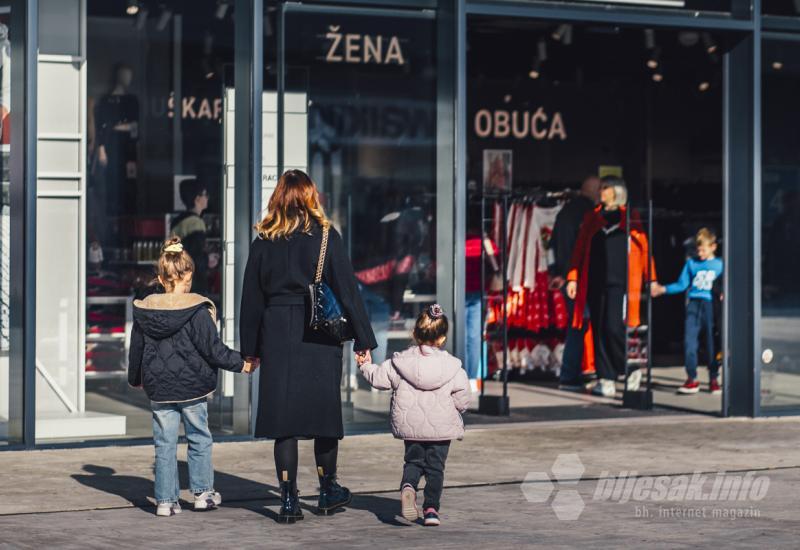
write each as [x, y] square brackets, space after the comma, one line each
[331, 494]
[290, 503]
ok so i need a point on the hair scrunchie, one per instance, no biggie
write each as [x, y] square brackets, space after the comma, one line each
[176, 248]
[435, 311]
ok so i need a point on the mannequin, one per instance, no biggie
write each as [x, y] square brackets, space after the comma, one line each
[117, 131]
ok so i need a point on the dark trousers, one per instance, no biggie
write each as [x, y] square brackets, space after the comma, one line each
[699, 319]
[607, 312]
[426, 458]
[573, 349]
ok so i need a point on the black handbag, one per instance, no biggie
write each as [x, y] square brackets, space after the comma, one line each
[327, 315]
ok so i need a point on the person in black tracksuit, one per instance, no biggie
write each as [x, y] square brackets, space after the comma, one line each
[175, 354]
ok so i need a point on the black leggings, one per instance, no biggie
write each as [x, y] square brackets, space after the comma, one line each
[326, 451]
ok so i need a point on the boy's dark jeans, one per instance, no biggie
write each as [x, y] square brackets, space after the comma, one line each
[700, 318]
[426, 458]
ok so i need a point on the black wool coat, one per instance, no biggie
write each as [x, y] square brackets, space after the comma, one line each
[301, 369]
[175, 348]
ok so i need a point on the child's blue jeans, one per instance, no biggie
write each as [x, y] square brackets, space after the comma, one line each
[166, 425]
[699, 318]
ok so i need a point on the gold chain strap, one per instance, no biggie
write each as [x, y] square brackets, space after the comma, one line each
[322, 252]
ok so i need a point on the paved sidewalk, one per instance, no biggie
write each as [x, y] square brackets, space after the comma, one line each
[97, 497]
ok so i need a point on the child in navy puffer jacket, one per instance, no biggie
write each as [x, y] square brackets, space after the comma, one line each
[175, 353]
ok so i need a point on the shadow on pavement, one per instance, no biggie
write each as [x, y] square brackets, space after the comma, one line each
[136, 490]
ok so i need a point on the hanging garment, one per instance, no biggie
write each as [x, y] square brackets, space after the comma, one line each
[540, 230]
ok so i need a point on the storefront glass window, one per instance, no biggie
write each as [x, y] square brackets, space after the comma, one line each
[151, 113]
[780, 229]
[360, 117]
[5, 218]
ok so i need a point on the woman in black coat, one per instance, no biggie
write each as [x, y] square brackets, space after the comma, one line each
[299, 391]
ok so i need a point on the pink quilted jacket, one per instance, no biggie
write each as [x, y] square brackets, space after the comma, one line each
[430, 390]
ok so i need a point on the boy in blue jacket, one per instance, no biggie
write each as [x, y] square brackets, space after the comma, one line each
[697, 280]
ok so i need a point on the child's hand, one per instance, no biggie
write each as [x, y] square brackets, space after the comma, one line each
[657, 290]
[251, 364]
[363, 357]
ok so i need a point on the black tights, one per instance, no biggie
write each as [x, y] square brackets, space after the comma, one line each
[326, 450]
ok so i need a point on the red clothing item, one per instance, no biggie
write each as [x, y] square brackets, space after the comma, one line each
[638, 272]
[473, 264]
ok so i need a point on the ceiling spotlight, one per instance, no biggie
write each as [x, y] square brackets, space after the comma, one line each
[563, 33]
[536, 70]
[777, 65]
[652, 59]
[541, 49]
[141, 19]
[649, 39]
[658, 77]
[163, 19]
[133, 7]
[222, 9]
[704, 86]
[709, 43]
[507, 98]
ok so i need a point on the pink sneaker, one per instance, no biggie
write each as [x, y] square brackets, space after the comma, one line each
[432, 517]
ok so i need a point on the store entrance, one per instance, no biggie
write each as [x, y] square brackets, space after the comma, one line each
[557, 110]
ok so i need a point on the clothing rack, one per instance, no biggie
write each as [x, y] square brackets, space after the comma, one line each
[499, 405]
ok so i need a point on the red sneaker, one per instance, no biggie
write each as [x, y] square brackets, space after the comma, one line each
[690, 386]
[714, 387]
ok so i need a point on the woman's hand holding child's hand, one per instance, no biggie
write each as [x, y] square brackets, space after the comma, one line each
[657, 290]
[363, 357]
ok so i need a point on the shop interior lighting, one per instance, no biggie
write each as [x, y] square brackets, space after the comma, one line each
[709, 43]
[141, 19]
[541, 50]
[777, 65]
[163, 19]
[563, 34]
[658, 77]
[649, 39]
[704, 86]
[653, 59]
[222, 9]
[133, 7]
[536, 70]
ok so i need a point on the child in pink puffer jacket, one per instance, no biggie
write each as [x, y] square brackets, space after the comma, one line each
[430, 390]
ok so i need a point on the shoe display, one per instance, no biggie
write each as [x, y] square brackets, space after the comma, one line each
[432, 518]
[689, 387]
[408, 503]
[290, 503]
[605, 388]
[167, 509]
[714, 387]
[634, 381]
[207, 500]
[331, 494]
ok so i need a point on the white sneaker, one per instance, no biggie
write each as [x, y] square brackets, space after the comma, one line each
[207, 500]
[634, 380]
[166, 509]
[605, 388]
[408, 502]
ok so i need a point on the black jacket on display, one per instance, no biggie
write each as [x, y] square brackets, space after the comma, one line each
[565, 233]
[175, 348]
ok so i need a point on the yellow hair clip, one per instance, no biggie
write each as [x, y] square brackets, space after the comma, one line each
[177, 247]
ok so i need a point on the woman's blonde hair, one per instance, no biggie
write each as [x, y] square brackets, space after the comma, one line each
[174, 264]
[294, 206]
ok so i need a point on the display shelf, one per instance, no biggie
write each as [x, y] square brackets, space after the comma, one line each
[96, 338]
[106, 300]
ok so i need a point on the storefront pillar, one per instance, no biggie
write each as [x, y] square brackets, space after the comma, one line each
[742, 165]
[22, 290]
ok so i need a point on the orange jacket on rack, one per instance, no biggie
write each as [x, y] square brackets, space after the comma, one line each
[593, 222]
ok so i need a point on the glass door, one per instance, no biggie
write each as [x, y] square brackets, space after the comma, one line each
[351, 98]
[5, 216]
[780, 227]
